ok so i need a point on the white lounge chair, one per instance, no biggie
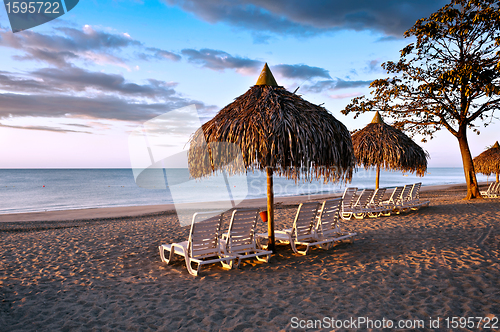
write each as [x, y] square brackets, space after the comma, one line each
[302, 232]
[202, 245]
[414, 202]
[489, 190]
[328, 226]
[348, 200]
[402, 202]
[394, 199]
[360, 209]
[496, 190]
[376, 208]
[493, 190]
[239, 240]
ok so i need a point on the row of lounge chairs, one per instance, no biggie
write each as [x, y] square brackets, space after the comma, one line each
[315, 224]
[493, 190]
[369, 202]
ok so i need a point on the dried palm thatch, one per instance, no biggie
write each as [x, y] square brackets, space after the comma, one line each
[275, 130]
[383, 146]
[489, 161]
[278, 129]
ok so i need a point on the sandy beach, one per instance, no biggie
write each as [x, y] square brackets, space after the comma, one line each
[103, 272]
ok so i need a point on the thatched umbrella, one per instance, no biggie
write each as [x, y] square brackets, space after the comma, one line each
[279, 132]
[383, 146]
[489, 161]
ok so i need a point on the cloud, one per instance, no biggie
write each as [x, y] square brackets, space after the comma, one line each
[300, 71]
[159, 54]
[103, 107]
[220, 60]
[373, 66]
[336, 84]
[74, 92]
[302, 18]
[77, 79]
[74, 79]
[44, 128]
[11, 82]
[67, 45]
[346, 95]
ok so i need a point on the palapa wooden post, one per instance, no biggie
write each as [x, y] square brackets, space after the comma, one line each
[267, 78]
[377, 119]
[270, 210]
[496, 146]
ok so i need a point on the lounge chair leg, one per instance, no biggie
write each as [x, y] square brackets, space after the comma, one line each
[347, 216]
[228, 264]
[265, 259]
[303, 252]
[190, 268]
[170, 255]
[162, 254]
[359, 215]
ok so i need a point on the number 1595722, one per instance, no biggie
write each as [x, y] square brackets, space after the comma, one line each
[472, 322]
[32, 7]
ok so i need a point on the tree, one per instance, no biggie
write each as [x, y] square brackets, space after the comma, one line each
[449, 78]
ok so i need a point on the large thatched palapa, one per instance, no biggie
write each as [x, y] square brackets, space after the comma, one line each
[489, 161]
[279, 132]
[383, 146]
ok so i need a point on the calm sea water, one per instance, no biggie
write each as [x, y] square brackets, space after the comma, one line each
[33, 190]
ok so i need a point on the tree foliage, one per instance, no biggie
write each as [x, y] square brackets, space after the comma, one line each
[448, 78]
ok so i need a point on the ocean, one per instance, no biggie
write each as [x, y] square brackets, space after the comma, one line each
[35, 190]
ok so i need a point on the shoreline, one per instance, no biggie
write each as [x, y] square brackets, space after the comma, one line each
[150, 210]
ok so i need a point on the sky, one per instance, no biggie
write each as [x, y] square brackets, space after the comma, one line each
[73, 90]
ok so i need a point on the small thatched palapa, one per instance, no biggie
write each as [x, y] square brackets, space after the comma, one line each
[383, 146]
[489, 161]
[279, 132]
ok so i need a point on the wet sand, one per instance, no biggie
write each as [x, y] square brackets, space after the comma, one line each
[106, 274]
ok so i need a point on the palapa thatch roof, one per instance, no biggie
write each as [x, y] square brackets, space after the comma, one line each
[379, 144]
[274, 127]
[489, 161]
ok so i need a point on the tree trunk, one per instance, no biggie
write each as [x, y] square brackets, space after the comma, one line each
[270, 209]
[470, 174]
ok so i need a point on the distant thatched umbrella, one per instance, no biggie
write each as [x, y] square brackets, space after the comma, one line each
[489, 161]
[278, 131]
[383, 146]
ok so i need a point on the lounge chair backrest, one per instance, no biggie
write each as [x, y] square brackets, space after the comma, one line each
[491, 188]
[378, 196]
[365, 198]
[406, 193]
[396, 194]
[241, 229]
[348, 199]
[304, 220]
[415, 191]
[496, 188]
[329, 217]
[204, 236]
